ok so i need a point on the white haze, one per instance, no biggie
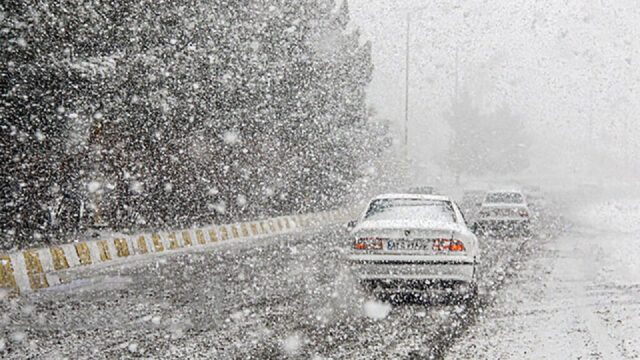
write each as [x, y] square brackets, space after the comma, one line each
[571, 68]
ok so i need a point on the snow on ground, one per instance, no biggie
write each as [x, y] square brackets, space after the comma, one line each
[618, 215]
[578, 298]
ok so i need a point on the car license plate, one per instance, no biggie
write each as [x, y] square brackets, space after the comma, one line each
[416, 244]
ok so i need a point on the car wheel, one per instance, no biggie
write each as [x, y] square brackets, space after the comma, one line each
[472, 294]
[473, 291]
[470, 297]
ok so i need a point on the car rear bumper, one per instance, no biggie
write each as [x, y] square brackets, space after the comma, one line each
[413, 272]
[431, 287]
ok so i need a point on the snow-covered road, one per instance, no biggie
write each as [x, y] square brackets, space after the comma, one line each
[288, 296]
[578, 299]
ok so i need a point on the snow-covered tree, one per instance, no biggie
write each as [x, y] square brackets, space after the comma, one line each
[162, 113]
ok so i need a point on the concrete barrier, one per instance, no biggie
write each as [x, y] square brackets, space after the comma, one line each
[33, 269]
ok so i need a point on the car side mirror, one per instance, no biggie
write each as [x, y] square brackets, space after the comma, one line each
[351, 225]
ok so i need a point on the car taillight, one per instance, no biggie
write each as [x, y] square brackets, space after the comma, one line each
[456, 245]
[368, 244]
[447, 245]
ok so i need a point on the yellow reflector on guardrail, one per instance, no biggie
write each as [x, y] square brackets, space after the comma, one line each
[200, 237]
[142, 245]
[243, 229]
[213, 236]
[58, 259]
[223, 233]
[157, 243]
[103, 248]
[122, 248]
[84, 256]
[37, 279]
[186, 238]
[7, 279]
[173, 242]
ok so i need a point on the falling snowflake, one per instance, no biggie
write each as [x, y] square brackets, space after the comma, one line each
[136, 187]
[231, 137]
[376, 310]
[18, 336]
[39, 135]
[94, 186]
[291, 345]
[220, 207]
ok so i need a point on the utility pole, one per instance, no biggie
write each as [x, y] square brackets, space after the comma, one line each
[455, 94]
[406, 90]
[406, 80]
[455, 104]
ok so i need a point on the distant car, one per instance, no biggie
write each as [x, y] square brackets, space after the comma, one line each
[504, 211]
[413, 243]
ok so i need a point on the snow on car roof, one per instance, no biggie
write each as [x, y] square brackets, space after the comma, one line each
[498, 191]
[412, 196]
[505, 205]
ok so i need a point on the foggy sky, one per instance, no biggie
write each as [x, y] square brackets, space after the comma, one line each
[572, 68]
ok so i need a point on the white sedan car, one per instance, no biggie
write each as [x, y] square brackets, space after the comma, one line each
[504, 211]
[414, 243]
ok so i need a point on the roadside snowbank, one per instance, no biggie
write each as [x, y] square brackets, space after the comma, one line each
[576, 297]
[614, 216]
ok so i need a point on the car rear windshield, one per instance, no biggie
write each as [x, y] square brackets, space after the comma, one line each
[410, 209]
[505, 198]
[427, 190]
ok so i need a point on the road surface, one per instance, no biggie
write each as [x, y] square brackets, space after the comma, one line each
[284, 297]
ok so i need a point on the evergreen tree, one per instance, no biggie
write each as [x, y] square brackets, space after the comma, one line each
[160, 114]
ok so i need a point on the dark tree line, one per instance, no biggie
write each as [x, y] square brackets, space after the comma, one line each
[146, 114]
[490, 142]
